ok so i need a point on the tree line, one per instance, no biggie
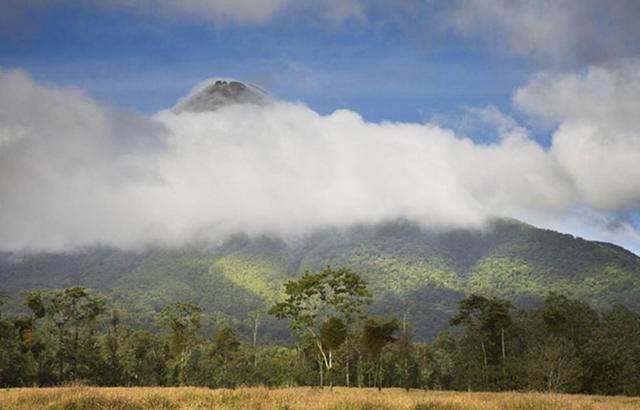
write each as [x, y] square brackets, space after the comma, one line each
[72, 336]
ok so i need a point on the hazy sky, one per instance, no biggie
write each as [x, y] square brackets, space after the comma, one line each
[448, 113]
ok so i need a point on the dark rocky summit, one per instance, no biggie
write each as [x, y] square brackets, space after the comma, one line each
[220, 93]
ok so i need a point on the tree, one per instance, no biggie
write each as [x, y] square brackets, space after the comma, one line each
[72, 315]
[253, 320]
[225, 343]
[405, 350]
[10, 363]
[144, 359]
[613, 354]
[225, 355]
[569, 319]
[324, 302]
[554, 366]
[378, 333]
[183, 319]
[486, 322]
[437, 361]
[112, 345]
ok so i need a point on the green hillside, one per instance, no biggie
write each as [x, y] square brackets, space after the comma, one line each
[406, 267]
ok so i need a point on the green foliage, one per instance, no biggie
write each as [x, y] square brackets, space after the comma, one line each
[398, 260]
[404, 266]
[378, 333]
[563, 346]
[554, 366]
[333, 333]
[612, 353]
[314, 298]
[320, 307]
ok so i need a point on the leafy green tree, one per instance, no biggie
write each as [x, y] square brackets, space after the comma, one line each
[320, 306]
[113, 365]
[378, 333]
[72, 317]
[143, 359]
[554, 366]
[613, 354]
[38, 360]
[279, 366]
[230, 364]
[10, 359]
[435, 362]
[404, 353]
[569, 319]
[486, 323]
[183, 319]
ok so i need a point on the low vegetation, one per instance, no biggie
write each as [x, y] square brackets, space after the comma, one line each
[258, 398]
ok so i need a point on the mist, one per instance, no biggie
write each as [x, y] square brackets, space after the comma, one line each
[74, 172]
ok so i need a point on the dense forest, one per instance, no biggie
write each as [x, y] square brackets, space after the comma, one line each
[401, 262]
[73, 336]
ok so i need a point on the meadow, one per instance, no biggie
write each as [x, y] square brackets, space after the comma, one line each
[258, 398]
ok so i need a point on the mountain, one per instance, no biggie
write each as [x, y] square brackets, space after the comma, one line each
[213, 94]
[403, 264]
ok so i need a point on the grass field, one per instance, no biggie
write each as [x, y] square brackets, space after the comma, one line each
[294, 398]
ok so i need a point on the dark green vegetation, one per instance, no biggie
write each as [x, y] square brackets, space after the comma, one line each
[422, 274]
[72, 336]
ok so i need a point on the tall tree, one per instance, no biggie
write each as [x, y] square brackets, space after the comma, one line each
[112, 345]
[569, 319]
[486, 322]
[73, 315]
[10, 362]
[183, 319]
[320, 306]
[613, 354]
[554, 366]
[378, 333]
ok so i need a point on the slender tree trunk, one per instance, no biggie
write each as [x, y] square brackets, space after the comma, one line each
[75, 354]
[60, 354]
[256, 323]
[484, 356]
[347, 370]
[321, 367]
[380, 372]
[405, 353]
[60, 368]
[254, 339]
[406, 375]
[504, 354]
[359, 375]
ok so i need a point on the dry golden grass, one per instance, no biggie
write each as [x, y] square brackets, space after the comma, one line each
[259, 398]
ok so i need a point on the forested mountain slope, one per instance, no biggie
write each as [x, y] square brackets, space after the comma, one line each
[406, 267]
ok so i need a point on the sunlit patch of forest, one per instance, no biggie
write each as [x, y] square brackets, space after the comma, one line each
[401, 263]
[565, 346]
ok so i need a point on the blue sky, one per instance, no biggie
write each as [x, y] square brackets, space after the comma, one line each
[396, 71]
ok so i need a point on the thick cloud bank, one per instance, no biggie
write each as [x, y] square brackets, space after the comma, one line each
[73, 172]
[598, 141]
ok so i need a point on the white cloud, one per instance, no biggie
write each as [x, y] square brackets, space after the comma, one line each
[67, 167]
[597, 142]
[73, 172]
[557, 30]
